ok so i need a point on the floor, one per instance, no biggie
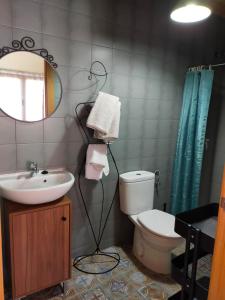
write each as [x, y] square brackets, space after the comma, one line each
[129, 280]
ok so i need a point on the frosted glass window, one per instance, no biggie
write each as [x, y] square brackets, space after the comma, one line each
[11, 90]
[22, 97]
[35, 109]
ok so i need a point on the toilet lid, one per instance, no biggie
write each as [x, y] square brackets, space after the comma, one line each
[158, 222]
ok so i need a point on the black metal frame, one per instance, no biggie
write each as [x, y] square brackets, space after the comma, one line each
[27, 43]
[98, 252]
[198, 245]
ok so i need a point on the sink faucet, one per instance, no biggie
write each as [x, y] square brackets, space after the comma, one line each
[33, 167]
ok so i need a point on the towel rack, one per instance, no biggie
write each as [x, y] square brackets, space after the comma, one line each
[114, 256]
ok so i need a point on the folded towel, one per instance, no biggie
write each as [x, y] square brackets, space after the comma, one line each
[103, 113]
[92, 173]
[113, 132]
[97, 154]
[96, 161]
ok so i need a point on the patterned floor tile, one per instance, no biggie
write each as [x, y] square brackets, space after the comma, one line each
[94, 294]
[130, 280]
[152, 292]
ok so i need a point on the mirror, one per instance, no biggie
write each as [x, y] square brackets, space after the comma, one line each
[30, 88]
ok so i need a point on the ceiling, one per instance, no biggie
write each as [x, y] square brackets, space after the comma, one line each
[217, 6]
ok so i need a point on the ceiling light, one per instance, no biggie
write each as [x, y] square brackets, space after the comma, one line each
[190, 13]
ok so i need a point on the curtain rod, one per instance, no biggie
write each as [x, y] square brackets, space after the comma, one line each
[202, 67]
[218, 65]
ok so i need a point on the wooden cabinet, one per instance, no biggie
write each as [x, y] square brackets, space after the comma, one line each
[39, 245]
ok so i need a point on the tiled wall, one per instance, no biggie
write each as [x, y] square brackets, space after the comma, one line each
[219, 153]
[146, 57]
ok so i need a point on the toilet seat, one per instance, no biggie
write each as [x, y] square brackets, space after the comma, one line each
[159, 223]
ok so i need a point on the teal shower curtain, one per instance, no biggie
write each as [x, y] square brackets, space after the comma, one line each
[191, 139]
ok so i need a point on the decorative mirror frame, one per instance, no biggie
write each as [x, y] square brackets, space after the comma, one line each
[27, 44]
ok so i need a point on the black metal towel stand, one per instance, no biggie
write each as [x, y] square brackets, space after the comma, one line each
[115, 257]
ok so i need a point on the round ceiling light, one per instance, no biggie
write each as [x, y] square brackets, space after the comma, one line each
[190, 13]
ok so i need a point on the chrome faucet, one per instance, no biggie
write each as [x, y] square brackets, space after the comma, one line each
[33, 167]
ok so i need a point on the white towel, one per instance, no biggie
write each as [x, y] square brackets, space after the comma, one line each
[96, 161]
[105, 115]
[92, 173]
[113, 133]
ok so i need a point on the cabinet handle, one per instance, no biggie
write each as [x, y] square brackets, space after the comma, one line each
[64, 219]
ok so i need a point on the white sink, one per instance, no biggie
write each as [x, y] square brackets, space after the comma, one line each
[24, 188]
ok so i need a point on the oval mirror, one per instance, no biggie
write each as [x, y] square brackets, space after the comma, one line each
[30, 88]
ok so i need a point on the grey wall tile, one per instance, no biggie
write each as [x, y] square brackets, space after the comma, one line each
[7, 130]
[153, 89]
[124, 12]
[122, 38]
[80, 27]
[141, 42]
[119, 149]
[148, 163]
[18, 34]
[6, 35]
[80, 54]
[169, 109]
[149, 147]
[55, 21]
[58, 48]
[102, 33]
[135, 109]
[139, 65]
[104, 55]
[142, 20]
[134, 129]
[132, 164]
[29, 18]
[76, 152]
[165, 129]
[151, 129]
[6, 12]
[120, 85]
[103, 9]
[168, 91]
[133, 149]
[152, 110]
[79, 82]
[138, 87]
[163, 147]
[30, 152]
[54, 130]
[62, 4]
[82, 6]
[29, 132]
[54, 155]
[121, 62]
[7, 158]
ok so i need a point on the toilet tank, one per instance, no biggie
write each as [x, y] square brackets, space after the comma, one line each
[136, 192]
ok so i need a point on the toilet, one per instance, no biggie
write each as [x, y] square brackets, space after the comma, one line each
[154, 235]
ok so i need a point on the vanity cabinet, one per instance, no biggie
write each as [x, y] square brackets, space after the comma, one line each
[39, 244]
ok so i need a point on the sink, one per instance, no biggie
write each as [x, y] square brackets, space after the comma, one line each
[41, 188]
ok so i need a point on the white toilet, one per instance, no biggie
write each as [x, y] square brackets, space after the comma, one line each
[154, 236]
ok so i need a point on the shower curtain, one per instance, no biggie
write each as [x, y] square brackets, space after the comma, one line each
[191, 140]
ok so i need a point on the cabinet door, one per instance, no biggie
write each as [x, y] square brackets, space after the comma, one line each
[40, 249]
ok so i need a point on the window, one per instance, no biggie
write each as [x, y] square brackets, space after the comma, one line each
[24, 93]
